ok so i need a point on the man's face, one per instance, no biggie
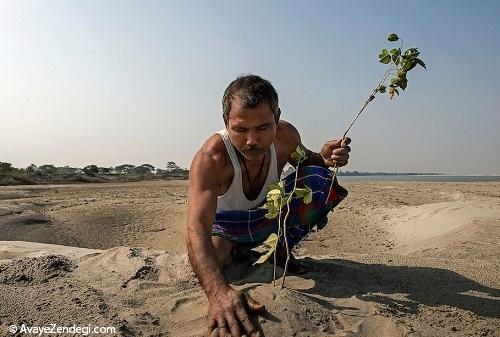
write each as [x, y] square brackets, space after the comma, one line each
[251, 130]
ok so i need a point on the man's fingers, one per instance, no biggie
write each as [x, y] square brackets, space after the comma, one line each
[337, 143]
[341, 151]
[346, 141]
[337, 161]
[339, 157]
[333, 144]
[209, 331]
[233, 326]
[214, 333]
[223, 328]
[244, 319]
[341, 163]
[253, 304]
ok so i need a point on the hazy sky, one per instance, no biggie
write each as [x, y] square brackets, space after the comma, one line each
[114, 82]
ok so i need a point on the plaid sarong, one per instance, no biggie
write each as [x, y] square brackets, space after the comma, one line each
[251, 226]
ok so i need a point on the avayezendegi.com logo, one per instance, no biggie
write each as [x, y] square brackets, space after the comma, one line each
[55, 329]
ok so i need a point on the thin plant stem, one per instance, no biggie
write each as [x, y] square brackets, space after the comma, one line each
[367, 101]
[284, 221]
[274, 253]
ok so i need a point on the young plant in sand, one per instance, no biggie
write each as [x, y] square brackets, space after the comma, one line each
[395, 76]
[277, 198]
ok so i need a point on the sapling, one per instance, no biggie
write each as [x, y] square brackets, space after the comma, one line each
[395, 76]
[276, 199]
[399, 64]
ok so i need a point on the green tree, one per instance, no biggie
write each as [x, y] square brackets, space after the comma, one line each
[32, 169]
[48, 169]
[6, 168]
[91, 170]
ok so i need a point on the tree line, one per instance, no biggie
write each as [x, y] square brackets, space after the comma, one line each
[48, 172]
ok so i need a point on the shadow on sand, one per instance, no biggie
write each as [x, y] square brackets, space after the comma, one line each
[423, 285]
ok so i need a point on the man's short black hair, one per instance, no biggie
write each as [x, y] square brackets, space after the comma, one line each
[251, 90]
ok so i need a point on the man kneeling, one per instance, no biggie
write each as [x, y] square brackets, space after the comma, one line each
[228, 182]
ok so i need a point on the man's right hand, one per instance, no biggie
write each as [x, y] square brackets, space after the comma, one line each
[227, 310]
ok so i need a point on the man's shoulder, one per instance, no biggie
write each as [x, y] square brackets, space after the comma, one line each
[287, 134]
[212, 152]
[214, 144]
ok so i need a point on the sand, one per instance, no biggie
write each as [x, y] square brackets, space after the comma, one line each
[396, 259]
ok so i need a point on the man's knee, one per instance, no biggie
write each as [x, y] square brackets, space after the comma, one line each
[223, 249]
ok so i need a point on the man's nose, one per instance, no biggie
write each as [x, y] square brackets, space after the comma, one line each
[252, 138]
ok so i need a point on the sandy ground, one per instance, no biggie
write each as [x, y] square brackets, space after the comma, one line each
[396, 259]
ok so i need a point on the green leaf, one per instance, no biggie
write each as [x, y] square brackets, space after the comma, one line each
[386, 59]
[396, 55]
[392, 37]
[409, 65]
[277, 203]
[271, 215]
[421, 63]
[383, 53]
[300, 192]
[413, 63]
[275, 186]
[301, 152]
[395, 81]
[271, 207]
[401, 73]
[384, 56]
[403, 83]
[308, 197]
[396, 51]
[411, 53]
[274, 192]
[271, 242]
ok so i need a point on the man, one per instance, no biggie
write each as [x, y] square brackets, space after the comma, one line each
[230, 173]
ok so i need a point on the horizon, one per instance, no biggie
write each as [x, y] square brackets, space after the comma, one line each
[116, 82]
[341, 171]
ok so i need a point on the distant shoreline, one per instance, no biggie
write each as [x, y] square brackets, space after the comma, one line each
[355, 173]
[421, 178]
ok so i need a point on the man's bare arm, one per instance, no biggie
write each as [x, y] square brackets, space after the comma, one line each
[227, 307]
[202, 203]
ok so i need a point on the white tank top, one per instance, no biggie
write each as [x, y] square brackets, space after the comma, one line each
[234, 198]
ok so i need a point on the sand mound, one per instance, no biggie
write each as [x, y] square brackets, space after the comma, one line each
[10, 250]
[439, 225]
[35, 270]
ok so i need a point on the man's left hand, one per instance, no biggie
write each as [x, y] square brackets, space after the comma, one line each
[336, 152]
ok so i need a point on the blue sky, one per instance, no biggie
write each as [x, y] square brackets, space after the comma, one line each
[113, 82]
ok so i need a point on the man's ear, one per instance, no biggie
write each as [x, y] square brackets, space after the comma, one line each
[278, 114]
